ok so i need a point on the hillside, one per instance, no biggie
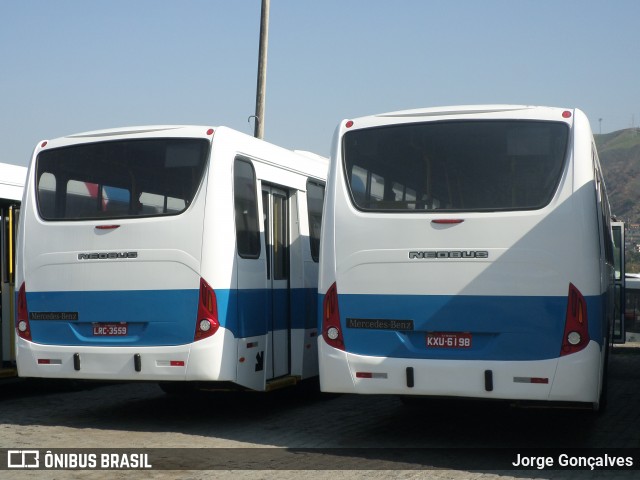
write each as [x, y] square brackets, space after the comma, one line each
[620, 158]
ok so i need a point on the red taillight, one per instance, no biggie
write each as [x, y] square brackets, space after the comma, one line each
[207, 322]
[576, 327]
[23, 328]
[331, 329]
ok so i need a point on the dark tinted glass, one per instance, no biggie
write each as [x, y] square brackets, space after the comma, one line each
[246, 209]
[455, 166]
[315, 200]
[120, 179]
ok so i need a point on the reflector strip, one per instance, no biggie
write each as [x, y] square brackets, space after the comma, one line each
[539, 380]
[49, 361]
[170, 363]
[370, 375]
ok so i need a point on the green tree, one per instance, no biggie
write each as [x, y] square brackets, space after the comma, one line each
[632, 261]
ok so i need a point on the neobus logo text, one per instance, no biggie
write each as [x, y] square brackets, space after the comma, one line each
[107, 255]
[449, 254]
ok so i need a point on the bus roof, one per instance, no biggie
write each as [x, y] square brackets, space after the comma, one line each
[145, 131]
[484, 112]
[316, 164]
[12, 178]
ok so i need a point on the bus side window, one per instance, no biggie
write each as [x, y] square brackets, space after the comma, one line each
[315, 200]
[246, 209]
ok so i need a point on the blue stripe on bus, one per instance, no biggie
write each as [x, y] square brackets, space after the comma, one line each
[163, 317]
[502, 327]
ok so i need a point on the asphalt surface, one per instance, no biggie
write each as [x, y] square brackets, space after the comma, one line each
[300, 433]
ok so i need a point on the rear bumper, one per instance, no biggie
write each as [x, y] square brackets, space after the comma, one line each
[201, 361]
[574, 378]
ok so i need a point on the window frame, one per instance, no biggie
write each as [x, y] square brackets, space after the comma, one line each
[255, 253]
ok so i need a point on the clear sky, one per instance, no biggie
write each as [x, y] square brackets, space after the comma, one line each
[68, 66]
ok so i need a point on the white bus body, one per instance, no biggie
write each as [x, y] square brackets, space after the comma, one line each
[169, 253]
[12, 182]
[466, 252]
[11, 186]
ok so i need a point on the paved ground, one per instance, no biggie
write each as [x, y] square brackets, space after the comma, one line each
[365, 431]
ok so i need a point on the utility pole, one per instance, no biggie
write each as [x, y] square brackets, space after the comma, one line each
[262, 70]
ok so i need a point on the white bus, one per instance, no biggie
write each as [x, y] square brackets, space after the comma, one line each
[467, 252]
[11, 185]
[170, 254]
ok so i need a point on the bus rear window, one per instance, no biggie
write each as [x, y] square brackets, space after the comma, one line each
[455, 165]
[119, 179]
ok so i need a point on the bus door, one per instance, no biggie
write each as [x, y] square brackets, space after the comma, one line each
[8, 219]
[619, 331]
[275, 214]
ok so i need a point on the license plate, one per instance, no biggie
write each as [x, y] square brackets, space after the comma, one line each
[448, 340]
[110, 329]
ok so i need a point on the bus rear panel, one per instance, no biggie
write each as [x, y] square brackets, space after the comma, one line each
[142, 258]
[466, 252]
